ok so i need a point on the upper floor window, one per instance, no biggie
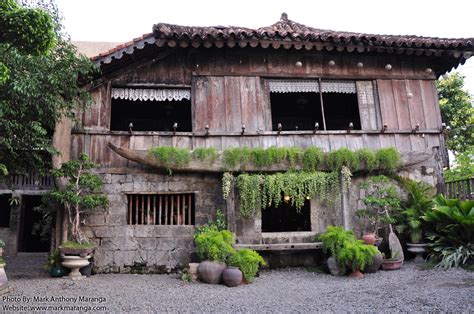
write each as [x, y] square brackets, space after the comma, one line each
[306, 104]
[147, 109]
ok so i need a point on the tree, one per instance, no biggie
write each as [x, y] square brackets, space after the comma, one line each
[457, 112]
[41, 87]
[464, 168]
[79, 195]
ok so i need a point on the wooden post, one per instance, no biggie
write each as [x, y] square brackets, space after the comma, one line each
[159, 209]
[190, 221]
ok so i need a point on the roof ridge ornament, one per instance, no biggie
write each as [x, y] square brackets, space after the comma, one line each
[284, 17]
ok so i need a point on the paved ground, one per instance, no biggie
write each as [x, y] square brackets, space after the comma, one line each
[286, 290]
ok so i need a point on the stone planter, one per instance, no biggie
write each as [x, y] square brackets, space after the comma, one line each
[377, 261]
[232, 276]
[75, 263]
[335, 268]
[391, 264]
[193, 271]
[211, 272]
[4, 287]
[418, 249]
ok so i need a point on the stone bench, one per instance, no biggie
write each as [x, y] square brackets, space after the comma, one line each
[280, 246]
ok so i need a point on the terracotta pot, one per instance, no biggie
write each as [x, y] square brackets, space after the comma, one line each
[335, 268]
[211, 272]
[377, 261]
[391, 264]
[369, 238]
[356, 274]
[193, 270]
[232, 276]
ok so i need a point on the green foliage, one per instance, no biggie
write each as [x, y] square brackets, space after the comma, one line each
[312, 158]
[186, 276]
[227, 179]
[342, 157]
[205, 154]
[382, 203]
[2, 243]
[260, 157]
[367, 158]
[171, 157]
[346, 249]
[457, 112]
[30, 30]
[219, 225]
[3, 170]
[214, 245]
[260, 191]
[452, 234]
[464, 168]
[2, 261]
[80, 194]
[388, 159]
[248, 262]
[54, 259]
[39, 90]
[419, 202]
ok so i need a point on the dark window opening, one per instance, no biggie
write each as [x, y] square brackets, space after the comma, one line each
[340, 110]
[161, 209]
[284, 217]
[295, 111]
[32, 241]
[151, 115]
[5, 210]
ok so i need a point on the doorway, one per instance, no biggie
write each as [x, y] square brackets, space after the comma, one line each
[286, 218]
[31, 241]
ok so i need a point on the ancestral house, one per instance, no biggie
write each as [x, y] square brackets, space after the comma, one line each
[285, 85]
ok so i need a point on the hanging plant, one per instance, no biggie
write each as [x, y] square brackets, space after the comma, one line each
[250, 191]
[227, 179]
[342, 157]
[346, 179]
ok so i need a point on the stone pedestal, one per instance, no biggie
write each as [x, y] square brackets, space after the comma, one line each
[4, 287]
[75, 263]
[418, 249]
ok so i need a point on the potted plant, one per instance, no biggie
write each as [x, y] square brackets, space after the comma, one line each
[346, 251]
[54, 264]
[247, 262]
[410, 220]
[79, 195]
[2, 245]
[3, 276]
[213, 247]
[392, 263]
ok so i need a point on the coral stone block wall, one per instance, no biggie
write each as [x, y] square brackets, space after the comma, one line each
[129, 248]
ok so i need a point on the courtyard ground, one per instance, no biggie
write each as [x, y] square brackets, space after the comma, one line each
[284, 290]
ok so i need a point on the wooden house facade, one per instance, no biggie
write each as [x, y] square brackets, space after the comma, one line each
[285, 85]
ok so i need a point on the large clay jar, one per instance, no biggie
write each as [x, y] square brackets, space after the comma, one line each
[369, 238]
[232, 276]
[335, 268]
[377, 261]
[211, 272]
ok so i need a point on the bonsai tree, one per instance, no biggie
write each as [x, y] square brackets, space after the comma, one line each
[382, 201]
[80, 193]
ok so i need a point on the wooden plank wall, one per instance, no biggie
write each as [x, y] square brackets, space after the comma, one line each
[96, 144]
[406, 103]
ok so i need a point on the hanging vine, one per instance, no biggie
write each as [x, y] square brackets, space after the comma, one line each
[227, 179]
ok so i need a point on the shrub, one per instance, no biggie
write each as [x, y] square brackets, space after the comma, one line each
[334, 238]
[367, 157]
[312, 158]
[388, 159]
[171, 157]
[205, 154]
[248, 262]
[214, 245]
[342, 157]
[452, 232]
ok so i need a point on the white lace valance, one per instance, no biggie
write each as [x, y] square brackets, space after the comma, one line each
[312, 86]
[161, 94]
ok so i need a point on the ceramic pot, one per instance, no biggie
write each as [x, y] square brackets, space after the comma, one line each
[369, 238]
[357, 274]
[232, 276]
[56, 272]
[335, 268]
[211, 272]
[74, 263]
[418, 249]
[391, 264]
[377, 261]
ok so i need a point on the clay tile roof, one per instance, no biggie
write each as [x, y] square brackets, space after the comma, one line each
[288, 34]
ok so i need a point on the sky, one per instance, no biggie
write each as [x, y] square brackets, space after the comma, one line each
[121, 21]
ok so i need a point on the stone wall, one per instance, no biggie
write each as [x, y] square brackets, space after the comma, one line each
[143, 248]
